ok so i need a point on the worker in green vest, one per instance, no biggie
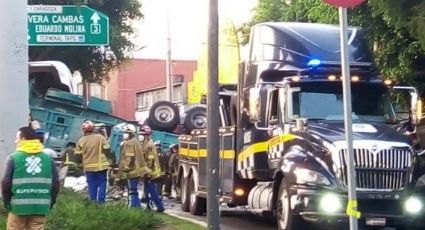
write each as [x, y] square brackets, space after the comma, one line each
[30, 183]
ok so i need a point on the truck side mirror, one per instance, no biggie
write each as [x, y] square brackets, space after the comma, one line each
[414, 119]
[260, 106]
[415, 111]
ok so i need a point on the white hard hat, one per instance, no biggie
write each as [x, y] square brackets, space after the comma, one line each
[130, 128]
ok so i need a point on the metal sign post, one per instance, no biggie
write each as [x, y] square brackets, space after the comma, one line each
[213, 121]
[352, 201]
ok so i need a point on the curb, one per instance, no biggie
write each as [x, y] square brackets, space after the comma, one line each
[203, 224]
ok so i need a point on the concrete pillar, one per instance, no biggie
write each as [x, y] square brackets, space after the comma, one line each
[13, 73]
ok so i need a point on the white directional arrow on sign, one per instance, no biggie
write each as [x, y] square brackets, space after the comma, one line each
[95, 18]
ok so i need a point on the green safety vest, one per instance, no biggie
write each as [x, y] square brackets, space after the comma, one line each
[31, 184]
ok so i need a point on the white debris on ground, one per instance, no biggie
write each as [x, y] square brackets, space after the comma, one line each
[76, 183]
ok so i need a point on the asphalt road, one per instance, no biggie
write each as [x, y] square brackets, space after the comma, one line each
[231, 219]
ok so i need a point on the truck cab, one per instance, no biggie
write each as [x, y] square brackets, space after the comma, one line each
[293, 103]
[282, 145]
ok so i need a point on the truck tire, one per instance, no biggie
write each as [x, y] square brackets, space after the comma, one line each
[164, 116]
[198, 205]
[285, 219]
[184, 187]
[196, 118]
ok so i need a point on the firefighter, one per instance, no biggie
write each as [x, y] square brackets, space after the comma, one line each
[100, 128]
[167, 177]
[131, 164]
[164, 183]
[70, 160]
[93, 151]
[153, 168]
[173, 166]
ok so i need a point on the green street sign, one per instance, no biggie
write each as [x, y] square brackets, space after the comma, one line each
[63, 25]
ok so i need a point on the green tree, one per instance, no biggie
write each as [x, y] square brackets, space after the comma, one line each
[393, 29]
[95, 62]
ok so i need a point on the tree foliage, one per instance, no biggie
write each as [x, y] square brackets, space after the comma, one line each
[94, 62]
[394, 29]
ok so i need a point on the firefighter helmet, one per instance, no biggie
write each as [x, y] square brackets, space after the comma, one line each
[145, 130]
[129, 128]
[173, 146]
[87, 126]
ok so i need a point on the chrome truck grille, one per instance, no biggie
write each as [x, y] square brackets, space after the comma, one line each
[384, 169]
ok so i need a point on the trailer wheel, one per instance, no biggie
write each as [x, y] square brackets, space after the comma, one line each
[198, 205]
[196, 118]
[285, 219]
[184, 194]
[164, 116]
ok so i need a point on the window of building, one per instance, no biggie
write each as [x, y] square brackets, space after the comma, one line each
[80, 89]
[95, 90]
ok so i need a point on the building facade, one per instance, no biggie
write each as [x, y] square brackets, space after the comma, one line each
[141, 82]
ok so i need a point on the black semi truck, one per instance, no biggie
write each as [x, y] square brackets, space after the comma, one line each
[282, 144]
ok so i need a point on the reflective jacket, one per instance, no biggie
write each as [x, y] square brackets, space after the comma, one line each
[70, 158]
[132, 163]
[93, 148]
[164, 159]
[151, 158]
[174, 164]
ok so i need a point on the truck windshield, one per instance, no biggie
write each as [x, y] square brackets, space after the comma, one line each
[324, 101]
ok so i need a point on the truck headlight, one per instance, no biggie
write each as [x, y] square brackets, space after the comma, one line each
[330, 203]
[413, 205]
[306, 176]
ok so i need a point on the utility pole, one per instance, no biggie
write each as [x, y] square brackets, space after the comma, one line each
[213, 121]
[168, 63]
[14, 111]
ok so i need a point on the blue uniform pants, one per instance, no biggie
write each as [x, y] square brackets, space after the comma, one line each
[133, 194]
[96, 182]
[152, 195]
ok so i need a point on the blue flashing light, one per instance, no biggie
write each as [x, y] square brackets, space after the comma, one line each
[314, 62]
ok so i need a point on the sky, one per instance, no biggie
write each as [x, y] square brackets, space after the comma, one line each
[188, 26]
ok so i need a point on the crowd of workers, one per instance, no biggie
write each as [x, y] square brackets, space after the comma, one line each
[31, 183]
[140, 160]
